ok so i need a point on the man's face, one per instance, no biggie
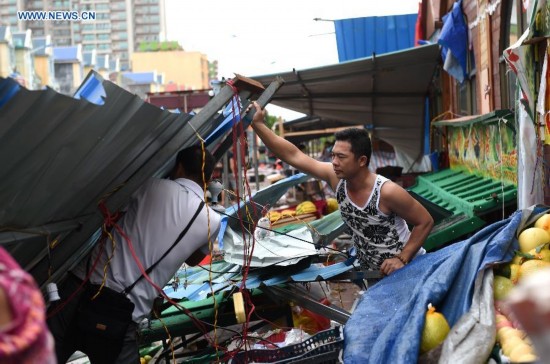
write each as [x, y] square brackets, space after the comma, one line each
[344, 163]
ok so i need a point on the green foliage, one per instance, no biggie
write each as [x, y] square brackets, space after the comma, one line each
[156, 46]
[270, 121]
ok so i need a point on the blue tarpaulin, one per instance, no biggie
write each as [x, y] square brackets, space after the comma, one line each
[387, 324]
[454, 42]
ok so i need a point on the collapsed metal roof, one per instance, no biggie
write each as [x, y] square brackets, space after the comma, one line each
[386, 93]
[61, 156]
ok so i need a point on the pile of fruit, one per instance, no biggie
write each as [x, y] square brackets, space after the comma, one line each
[332, 205]
[533, 255]
[306, 207]
[145, 359]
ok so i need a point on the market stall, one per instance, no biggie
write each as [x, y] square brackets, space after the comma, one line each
[458, 280]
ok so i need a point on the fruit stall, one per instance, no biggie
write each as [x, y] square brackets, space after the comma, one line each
[457, 303]
[532, 257]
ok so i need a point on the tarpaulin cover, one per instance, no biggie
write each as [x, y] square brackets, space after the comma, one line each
[454, 42]
[387, 323]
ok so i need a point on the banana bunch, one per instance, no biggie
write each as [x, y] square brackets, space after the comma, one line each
[287, 213]
[274, 216]
[306, 207]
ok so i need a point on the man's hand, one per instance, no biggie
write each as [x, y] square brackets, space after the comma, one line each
[260, 114]
[390, 265]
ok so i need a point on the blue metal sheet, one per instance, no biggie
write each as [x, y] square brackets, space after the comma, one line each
[8, 88]
[182, 292]
[91, 90]
[361, 37]
[314, 273]
[266, 196]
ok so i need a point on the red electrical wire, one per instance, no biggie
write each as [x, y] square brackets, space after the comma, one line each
[198, 323]
[248, 250]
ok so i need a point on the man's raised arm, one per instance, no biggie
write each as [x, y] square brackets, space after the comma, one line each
[290, 153]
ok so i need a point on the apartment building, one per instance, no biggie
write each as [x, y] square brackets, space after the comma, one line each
[119, 25]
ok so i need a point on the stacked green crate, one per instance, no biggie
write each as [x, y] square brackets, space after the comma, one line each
[466, 197]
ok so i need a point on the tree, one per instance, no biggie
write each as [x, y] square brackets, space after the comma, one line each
[270, 121]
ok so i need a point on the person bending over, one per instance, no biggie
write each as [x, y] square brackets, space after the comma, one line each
[157, 213]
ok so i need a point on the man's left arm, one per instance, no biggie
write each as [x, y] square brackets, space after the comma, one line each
[400, 202]
[199, 254]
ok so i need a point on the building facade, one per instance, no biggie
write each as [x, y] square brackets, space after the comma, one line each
[24, 62]
[7, 52]
[68, 68]
[43, 62]
[500, 89]
[181, 70]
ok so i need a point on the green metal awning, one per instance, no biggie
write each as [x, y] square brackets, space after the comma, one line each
[466, 198]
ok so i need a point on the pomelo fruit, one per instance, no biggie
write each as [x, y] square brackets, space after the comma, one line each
[541, 254]
[435, 330]
[531, 238]
[332, 205]
[532, 266]
[543, 222]
[508, 270]
[501, 287]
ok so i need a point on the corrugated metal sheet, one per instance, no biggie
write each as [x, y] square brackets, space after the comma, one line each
[363, 37]
[61, 155]
[386, 92]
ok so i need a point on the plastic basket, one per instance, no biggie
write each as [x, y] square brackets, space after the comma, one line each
[326, 344]
[324, 354]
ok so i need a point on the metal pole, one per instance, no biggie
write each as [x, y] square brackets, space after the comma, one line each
[252, 135]
[225, 180]
[240, 173]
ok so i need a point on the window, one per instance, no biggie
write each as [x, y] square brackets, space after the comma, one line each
[103, 26]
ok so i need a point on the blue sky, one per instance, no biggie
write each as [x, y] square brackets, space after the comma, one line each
[263, 37]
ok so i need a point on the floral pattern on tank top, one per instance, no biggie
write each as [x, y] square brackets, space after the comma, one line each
[375, 236]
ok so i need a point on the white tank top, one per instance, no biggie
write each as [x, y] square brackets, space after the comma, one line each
[376, 236]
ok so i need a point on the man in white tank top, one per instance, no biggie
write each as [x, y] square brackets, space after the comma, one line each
[375, 209]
